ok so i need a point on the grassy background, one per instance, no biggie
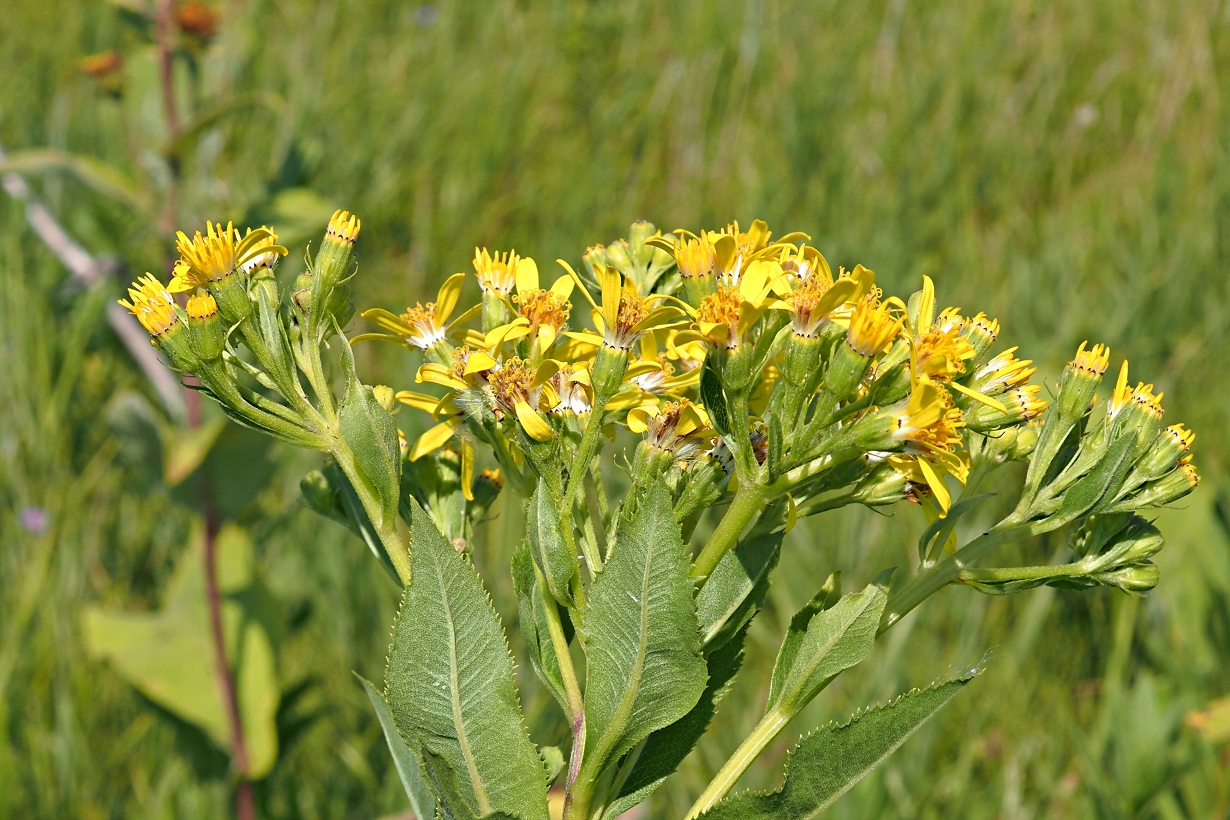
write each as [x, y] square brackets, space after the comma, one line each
[1060, 165]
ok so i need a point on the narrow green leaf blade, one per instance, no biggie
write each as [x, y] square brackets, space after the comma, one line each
[551, 553]
[836, 639]
[371, 434]
[449, 682]
[827, 763]
[645, 665]
[531, 613]
[714, 398]
[422, 801]
[737, 586]
[826, 598]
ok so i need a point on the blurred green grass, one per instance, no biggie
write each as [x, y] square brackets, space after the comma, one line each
[1060, 165]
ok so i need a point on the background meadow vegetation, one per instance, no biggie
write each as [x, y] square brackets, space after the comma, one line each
[1062, 165]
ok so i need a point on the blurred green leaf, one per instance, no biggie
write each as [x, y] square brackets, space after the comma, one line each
[827, 763]
[169, 654]
[449, 684]
[299, 214]
[104, 178]
[1213, 721]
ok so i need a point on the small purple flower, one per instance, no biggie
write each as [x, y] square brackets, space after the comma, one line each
[34, 519]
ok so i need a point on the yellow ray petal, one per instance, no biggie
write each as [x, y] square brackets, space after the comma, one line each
[434, 439]
[478, 361]
[532, 423]
[936, 482]
[467, 469]
[572, 274]
[563, 286]
[447, 298]
[419, 401]
[994, 404]
[466, 316]
[610, 281]
[388, 321]
[526, 275]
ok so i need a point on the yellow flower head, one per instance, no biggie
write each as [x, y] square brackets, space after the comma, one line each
[929, 422]
[1025, 401]
[1003, 372]
[1093, 361]
[801, 262]
[1181, 437]
[496, 273]
[422, 326]
[423, 332]
[573, 392]
[542, 308]
[940, 352]
[695, 257]
[511, 385]
[1141, 397]
[208, 258]
[812, 299]
[263, 252]
[677, 427]
[152, 304]
[718, 316]
[873, 325]
[343, 227]
[201, 306]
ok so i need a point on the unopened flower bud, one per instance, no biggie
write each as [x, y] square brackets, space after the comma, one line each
[608, 371]
[1080, 380]
[594, 259]
[882, 486]
[981, 333]
[1138, 578]
[1171, 487]
[640, 231]
[618, 256]
[205, 324]
[1022, 404]
[318, 493]
[333, 260]
[1171, 444]
[846, 371]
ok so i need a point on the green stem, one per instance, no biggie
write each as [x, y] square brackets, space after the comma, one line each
[386, 526]
[944, 572]
[748, 502]
[750, 749]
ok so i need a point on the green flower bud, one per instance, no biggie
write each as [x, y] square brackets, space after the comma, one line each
[640, 231]
[1173, 443]
[231, 294]
[618, 256]
[1022, 405]
[1080, 380]
[595, 258]
[882, 486]
[207, 331]
[1137, 578]
[608, 371]
[385, 397]
[846, 372]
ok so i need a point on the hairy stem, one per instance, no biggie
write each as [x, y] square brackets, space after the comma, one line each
[748, 502]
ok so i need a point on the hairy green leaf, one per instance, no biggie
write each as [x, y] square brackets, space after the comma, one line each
[836, 639]
[551, 553]
[449, 682]
[666, 748]
[371, 434]
[422, 801]
[532, 619]
[714, 398]
[738, 584]
[645, 665]
[826, 598]
[827, 763]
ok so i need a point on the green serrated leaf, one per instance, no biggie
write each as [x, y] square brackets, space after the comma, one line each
[826, 598]
[169, 655]
[533, 623]
[645, 665]
[836, 639]
[551, 553]
[827, 763]
[713, 398]
[737, 585]
[422, 801]
[666, 748]
[449, 683]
